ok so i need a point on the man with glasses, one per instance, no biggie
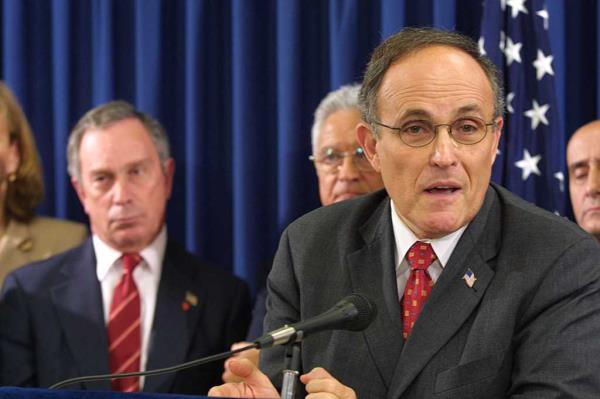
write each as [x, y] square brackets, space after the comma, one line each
[479, 293]
[342, 167]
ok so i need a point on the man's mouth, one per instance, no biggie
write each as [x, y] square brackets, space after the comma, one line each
[442, 189]
[594, 209]
[345, 196]
[125, 221]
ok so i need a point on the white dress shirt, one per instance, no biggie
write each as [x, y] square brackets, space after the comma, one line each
[109, 269]
[404, 238]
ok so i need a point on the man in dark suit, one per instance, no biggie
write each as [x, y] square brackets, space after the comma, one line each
[479, 294]
[128, 299]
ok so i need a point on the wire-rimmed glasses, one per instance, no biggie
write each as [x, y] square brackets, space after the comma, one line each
[418, 133]
[331, 160]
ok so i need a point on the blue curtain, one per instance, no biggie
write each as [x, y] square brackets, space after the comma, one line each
[235, 83]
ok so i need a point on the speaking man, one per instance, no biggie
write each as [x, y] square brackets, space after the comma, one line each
[479, 294]
[128, 299]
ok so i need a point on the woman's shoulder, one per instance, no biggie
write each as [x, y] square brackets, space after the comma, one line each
[72, 233]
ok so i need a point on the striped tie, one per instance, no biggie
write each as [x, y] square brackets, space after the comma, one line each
[418, 286]
[124, 331]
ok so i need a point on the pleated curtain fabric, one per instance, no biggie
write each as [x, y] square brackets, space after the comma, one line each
[236, 83]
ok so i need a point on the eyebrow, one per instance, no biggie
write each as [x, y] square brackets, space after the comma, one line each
[579, 164]
[418, 112]
[105, 170]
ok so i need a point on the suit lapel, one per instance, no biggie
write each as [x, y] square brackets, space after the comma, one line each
[451, 301]
[169, 339]
[77, 299]
[372, 272]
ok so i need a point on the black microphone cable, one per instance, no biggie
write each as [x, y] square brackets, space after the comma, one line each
[354, 313]
[172, 369]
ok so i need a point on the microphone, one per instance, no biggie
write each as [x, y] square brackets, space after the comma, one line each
[354, 313]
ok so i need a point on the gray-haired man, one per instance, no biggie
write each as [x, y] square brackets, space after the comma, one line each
[128, 299]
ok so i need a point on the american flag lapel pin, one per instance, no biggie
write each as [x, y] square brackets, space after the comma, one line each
[469, 278]
[190, 300]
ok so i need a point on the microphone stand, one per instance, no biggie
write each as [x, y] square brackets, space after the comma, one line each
[290, 372]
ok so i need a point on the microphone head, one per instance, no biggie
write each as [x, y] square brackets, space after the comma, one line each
[361, 312]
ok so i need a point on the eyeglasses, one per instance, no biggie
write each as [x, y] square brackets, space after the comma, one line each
[331, 160]
[418, 133]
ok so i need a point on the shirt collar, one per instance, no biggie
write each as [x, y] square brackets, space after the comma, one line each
[153, 254]
[405, 238]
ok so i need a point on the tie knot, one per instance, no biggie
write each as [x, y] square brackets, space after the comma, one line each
[130, 261]
[420, 256]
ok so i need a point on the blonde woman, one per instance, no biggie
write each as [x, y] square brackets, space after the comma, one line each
[25, 237]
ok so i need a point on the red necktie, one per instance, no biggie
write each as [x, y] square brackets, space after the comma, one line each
[418, 286]
[124, 331]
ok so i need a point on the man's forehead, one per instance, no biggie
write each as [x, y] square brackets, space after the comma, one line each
[585, 144]
[436, 74]
[103, 165]
[339, 126]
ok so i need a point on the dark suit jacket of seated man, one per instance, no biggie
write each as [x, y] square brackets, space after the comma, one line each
[52, 327]
[533, 307]
[127, 299]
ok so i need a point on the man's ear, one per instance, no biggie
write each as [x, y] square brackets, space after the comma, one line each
[368, 141]
[169, 170]
[80, 192]
[497, 133]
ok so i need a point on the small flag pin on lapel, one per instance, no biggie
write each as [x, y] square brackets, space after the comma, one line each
[469, 278]
[190, 300]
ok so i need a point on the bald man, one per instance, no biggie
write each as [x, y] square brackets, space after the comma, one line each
[583, 158]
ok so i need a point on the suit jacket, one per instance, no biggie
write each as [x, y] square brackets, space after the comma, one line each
[529, 326]
[39, 239]
[52, 325]
[258, 316]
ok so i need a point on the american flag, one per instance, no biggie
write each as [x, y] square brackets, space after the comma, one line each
[531, 157]
[469, 278]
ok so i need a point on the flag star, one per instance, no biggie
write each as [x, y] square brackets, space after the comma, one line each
[481, 43]
[545, 16]
[537, 114]
[543, 65]
[528, 165]
[516, 6]
[509, 98]
[512, 51]
[560, 176]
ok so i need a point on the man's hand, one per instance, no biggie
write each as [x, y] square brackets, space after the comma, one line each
[321, 385]
[251, 354]
[254, 384]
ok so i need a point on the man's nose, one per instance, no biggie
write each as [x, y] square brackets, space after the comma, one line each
[348, 170]
[592, 184]
[121, 191]
[444, 148]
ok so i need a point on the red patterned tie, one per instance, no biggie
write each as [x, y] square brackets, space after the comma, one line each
[418, 286]
[124, 332]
